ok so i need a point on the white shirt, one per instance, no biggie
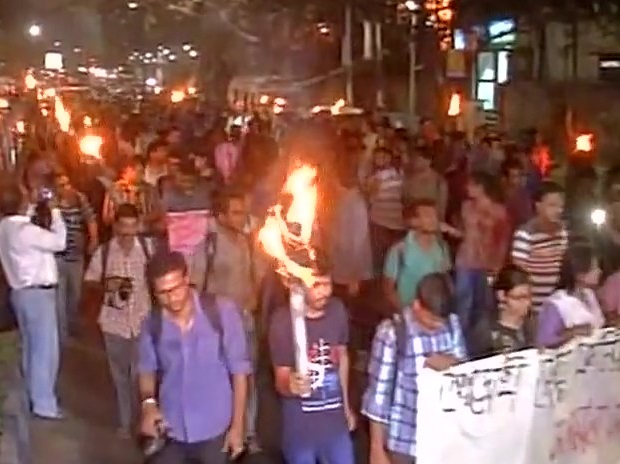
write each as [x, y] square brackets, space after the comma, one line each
[27, 251]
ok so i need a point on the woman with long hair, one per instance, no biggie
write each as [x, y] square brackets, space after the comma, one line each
[573, 309]
[503, 328]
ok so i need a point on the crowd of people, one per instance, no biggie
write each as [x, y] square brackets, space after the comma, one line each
[446, 249]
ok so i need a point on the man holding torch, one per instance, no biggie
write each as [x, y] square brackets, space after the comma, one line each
[308, 341]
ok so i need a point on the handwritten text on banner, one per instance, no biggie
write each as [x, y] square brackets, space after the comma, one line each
[556, 407]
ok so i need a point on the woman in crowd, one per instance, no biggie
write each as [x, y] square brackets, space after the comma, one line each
[503, 329]
[573, 309]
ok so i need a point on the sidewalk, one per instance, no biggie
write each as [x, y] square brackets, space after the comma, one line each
[87, 435]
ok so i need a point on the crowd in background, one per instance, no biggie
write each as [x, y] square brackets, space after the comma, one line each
[443, 249]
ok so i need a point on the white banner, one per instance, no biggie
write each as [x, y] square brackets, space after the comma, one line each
[556, 407]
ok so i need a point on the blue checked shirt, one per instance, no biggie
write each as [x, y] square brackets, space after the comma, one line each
[395, 406]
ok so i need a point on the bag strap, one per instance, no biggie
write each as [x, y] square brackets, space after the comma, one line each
[208, 301]
[210, 250]
[105, 256]
[400, 333]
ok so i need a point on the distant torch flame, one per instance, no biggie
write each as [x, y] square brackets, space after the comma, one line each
[20, 126]
[90, 145]
[584, 143]
[88, 122]
[62, 115]
[455, 105]
[177, 96]
[30, 81]
[275, 236]
[337, 107]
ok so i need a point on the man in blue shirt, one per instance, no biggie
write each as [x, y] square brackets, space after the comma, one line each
[194, 368]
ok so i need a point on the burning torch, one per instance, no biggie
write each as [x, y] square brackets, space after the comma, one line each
[286, 236]
[90, 145]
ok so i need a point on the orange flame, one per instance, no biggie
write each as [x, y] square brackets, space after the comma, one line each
[275, 234]
[584, 143]
[90, 145]
[62, 115]
[455, 105]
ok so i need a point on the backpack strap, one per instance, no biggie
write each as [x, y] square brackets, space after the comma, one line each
[399, 324]
[208, 301]
[105, 256]
[210, 250]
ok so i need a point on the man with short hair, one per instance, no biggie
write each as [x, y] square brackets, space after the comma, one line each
[120, 267]
[421, 252]
[194, 368]
[539, 245]
[316, 414]
[156, 154]
[27, 256]
[426, 334]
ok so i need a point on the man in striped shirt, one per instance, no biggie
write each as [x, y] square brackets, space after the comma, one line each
[539, 245]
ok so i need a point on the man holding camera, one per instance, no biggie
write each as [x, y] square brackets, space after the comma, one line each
[27, 255]
[119, 266]
[194, 368]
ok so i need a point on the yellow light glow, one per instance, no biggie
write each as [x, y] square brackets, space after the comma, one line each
[191, 91]
[4, 104]
[20, 127]
[455, 105]
[584, 143]
[30, 81]
[177, 96]
[49, 93]
[90, 145]
[62, 115]
[280, 101]
[264, 99]
[44, 112]
[277, 109]
[337, 107]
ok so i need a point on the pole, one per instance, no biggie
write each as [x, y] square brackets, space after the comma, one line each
[347, 53]
[379, 60]
[412, 78]
[297, 303]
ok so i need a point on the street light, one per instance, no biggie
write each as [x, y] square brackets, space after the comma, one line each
[187, 47]
[193, 54]
[132, 5]
[411, 5]
[34, 30]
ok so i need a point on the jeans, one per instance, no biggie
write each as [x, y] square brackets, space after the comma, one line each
[336, 449]
[122, 359]
[473, 296]
[35, 309]
[204, 452]
[70, 274]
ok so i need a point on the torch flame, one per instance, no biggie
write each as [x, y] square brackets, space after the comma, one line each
[275, 235]
[455, 105]
[177, 96]
[88, 122]
[62, 115]
[337, 107]
[584, 143]
[30, 81]
[91, 145]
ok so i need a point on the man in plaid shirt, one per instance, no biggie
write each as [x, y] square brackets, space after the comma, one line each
[427, 334]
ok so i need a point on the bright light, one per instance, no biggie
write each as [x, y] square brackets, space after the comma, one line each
[151, 82]
[187, 47]
[177, 96]
[411, 5]
[49, 93]
[132, 5]
[191, 90]
[323, 28]
[30, 81]
[77, 50]
[44, 112]
[598, 217]
[4, 104]
[20, 127]
[280, 101]
[264, 99]
[157, 90]
[148, 55]
[316, 109]
[455, 105]
[90, 145]
[277, 109]
[193, 53]
[165, 51]
[584, 143]
[172, 57]
[337, 107]
[57, 43]
[88, 122]
[62, 115]
[34, 30]
[83, 69]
